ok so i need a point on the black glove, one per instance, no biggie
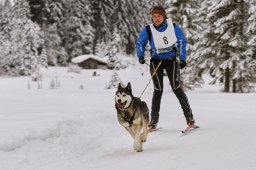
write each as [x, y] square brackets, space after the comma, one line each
[142, 60]
[182, 64]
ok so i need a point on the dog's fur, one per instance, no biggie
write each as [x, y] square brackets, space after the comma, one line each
[133, 115]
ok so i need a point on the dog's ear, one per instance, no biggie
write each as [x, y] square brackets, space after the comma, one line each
[129, 88]
[119, 86]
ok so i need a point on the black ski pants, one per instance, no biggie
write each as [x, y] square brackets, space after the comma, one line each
[173, 73]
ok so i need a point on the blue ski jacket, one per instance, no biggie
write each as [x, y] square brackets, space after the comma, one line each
[143, 40]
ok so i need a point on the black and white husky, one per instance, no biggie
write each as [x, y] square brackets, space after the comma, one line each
[133, 115]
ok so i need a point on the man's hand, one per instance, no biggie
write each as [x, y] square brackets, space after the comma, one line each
[142, 60]
[182, 64]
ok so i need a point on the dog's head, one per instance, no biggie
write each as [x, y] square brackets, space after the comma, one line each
[123, 96]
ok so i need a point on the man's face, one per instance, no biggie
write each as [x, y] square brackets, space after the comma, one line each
[157, 19]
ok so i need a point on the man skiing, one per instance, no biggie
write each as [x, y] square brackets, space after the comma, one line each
[165, 39]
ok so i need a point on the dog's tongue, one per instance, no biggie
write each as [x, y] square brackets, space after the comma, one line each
[120, 105]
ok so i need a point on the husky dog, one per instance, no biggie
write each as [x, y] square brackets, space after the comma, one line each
[133, 115]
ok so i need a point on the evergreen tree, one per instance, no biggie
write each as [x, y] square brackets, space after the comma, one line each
[56, 53]
[251, 50]
[189, 17]
[39, 12]
[1, 6]
[113, 49]
[251, 28]
[57, 10]
[102, 12]
[185, 14]
[114, 81]
[192, 75]
[128, 17]
[78, 33]
[21, 40]
[86, 26]
[223, 47]
[4, 29]
[43, 58]
[74, 34]
[56, 34]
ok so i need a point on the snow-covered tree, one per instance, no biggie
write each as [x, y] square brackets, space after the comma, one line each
[43, 58]
[4, 29]
[251, 28]
[114, 48]
[21, 40]
[128, 17]
[56, 53]
[192, 74]
[78, 33]
[86, 26]
[114, 81]
[56, 10]
[69, 23]
[251, 50]
[5, 5]
[185, 14]
[39, 12]
[188, 15]
[102, 11]
[49, 14]
[222, 49]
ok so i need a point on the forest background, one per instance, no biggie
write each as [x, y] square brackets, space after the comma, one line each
[221, 35]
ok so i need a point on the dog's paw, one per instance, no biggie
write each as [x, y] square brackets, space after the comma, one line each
[138, 150]
[138, 147]
[143, 138]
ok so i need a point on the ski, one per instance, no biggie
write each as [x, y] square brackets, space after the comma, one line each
[189, 130]
[154, 130]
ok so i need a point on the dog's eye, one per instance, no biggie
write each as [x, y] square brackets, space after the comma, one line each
[124, 95]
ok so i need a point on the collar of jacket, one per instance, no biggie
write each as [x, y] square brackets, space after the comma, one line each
[161, 26]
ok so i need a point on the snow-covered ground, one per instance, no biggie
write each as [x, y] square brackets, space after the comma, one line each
[76, 129]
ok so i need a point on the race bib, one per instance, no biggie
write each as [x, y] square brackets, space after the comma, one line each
[164, 41]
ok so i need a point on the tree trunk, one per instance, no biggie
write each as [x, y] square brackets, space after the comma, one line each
[234, 84]
[227, 80]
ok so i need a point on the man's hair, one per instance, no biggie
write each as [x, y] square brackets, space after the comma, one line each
[159, 10]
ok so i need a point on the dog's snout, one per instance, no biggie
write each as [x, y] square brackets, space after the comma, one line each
[119, 101]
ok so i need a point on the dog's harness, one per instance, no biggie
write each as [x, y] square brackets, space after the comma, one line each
[127, 120]
[125, 115]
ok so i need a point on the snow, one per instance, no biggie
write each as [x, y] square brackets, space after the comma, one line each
[82, 58]
[73, 129]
